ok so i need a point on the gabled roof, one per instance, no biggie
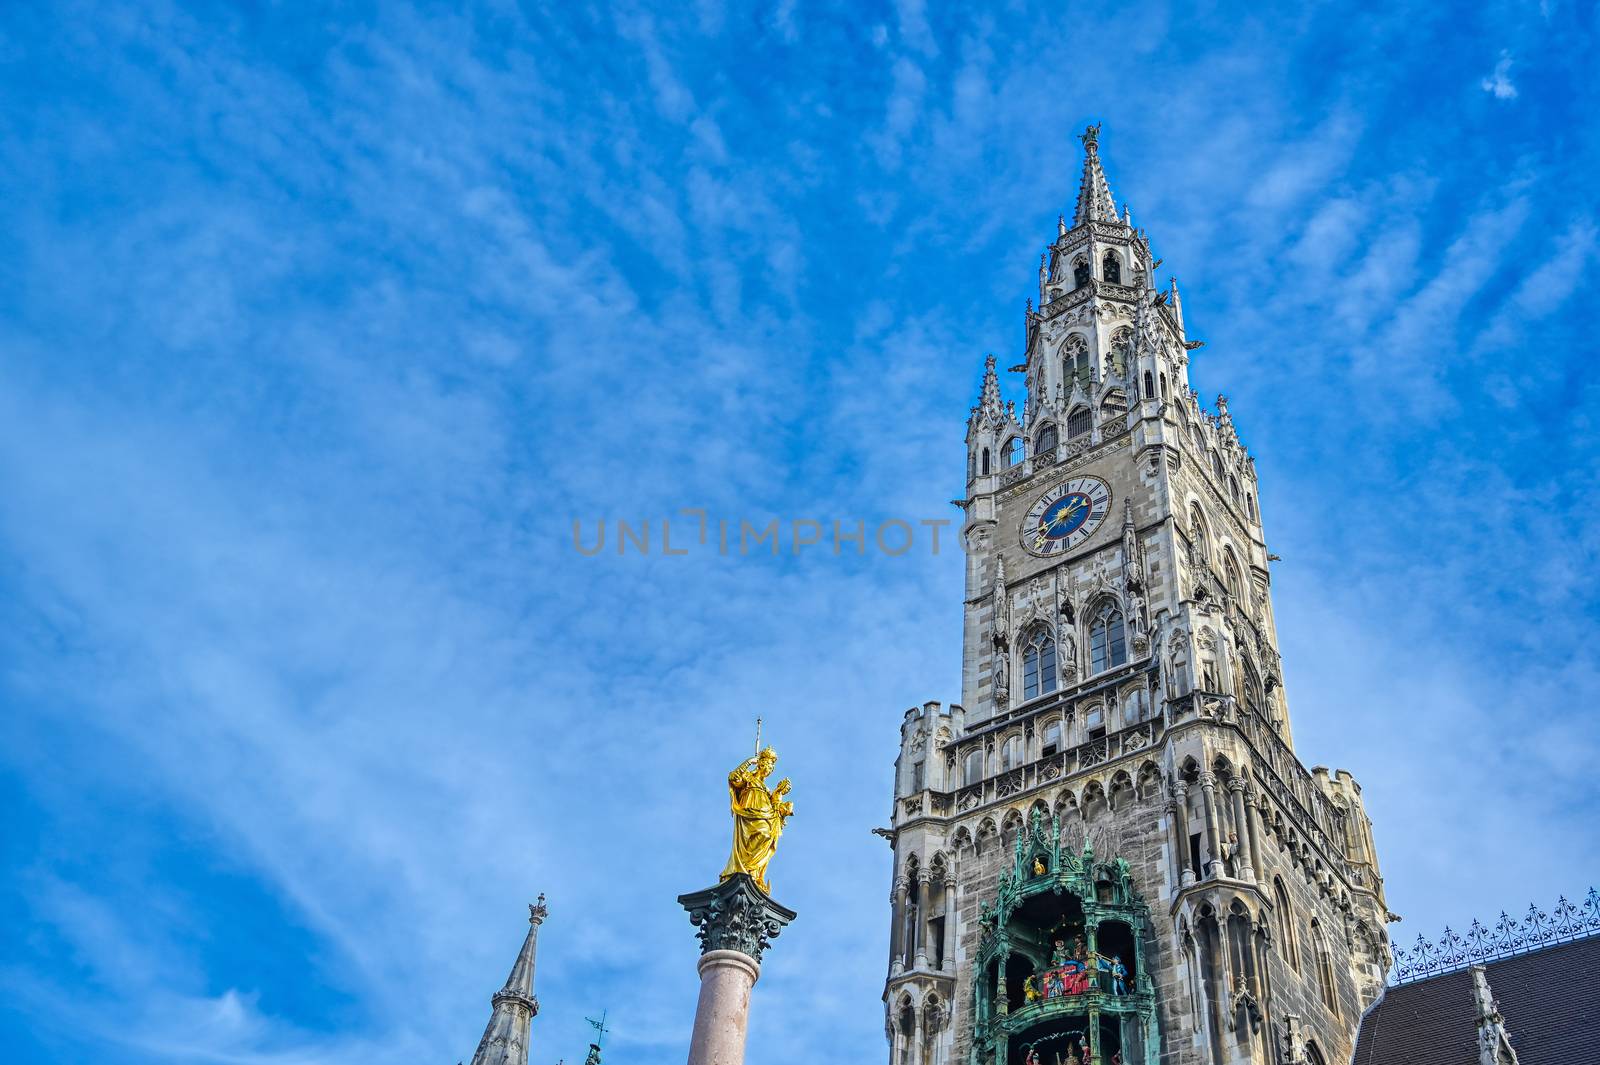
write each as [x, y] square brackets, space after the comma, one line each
[1549, 1000]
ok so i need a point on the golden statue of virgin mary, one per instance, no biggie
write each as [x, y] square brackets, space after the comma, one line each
[759, 814]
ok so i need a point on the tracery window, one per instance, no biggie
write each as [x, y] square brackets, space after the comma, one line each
[1116, 402]
[1230, 575]
[1080, 272]
[1108, 646]
[1011, 753]
[1121, 353]
[1012, 453]
[1075, 362]
[1079, 422]
[1046, 442]
[1111, 268]
[1038, 665]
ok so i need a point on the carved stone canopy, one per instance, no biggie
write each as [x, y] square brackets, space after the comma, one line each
[735, 915]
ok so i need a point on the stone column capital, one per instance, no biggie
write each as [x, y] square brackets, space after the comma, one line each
[1236, 784]
[735, 915]
[1208, 780]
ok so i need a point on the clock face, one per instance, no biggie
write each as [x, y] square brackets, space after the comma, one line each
[1066, 515]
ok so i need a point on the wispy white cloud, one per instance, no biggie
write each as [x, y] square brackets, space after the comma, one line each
[321, 345]
[1498, 84]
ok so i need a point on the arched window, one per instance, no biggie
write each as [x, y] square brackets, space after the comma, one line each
[1252, 688]
[1051, 740]
[1250, 506]
[1198, 536]
[1011, 753]
[1120, 355]
[1111, 268]
[1233, 488]
[1108, 646]
[1079, 422]
[1216, 466]
[986, 462]
[1012, 453]
[1314, 1056]
[1149, 385]
[972, 770]
[1038, 665]
[1285, 915]
[1080, 272]
[1046, 442]
[1325, 984]
[1115, 403]
[1075, 362]
[1230, 575]
[1163, 386]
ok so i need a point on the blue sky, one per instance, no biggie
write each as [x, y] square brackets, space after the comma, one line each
[318, 328]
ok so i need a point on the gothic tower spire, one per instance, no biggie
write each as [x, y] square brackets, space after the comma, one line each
[1094, 193]
[505, 1040]
[1090, 850]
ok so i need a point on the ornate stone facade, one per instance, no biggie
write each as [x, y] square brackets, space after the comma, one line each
[1122, 685]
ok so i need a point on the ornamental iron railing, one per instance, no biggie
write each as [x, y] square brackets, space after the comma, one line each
[1508, 937]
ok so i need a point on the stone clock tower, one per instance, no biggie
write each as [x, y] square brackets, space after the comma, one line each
[1110, 852]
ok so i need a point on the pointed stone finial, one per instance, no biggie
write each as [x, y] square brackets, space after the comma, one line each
[505, 1040]
[1095, 203]
[989, 406]
[1494, 1042]
[1061, 225]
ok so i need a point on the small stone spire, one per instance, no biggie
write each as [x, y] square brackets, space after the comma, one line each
[1094, 194]
[991, 388]
[1224, 419]
[505, 1040]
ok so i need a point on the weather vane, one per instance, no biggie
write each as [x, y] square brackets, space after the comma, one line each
[600, 1028]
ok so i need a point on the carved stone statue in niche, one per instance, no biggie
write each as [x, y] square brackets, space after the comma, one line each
[1000, 677]
[1064, 595]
